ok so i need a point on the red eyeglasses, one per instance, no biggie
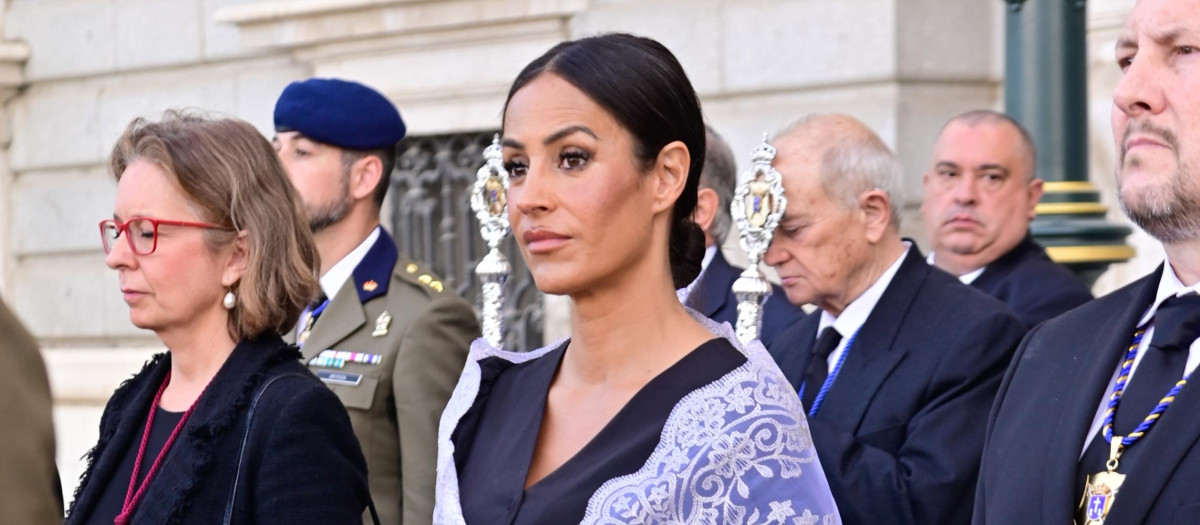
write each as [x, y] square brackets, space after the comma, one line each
[142, 232]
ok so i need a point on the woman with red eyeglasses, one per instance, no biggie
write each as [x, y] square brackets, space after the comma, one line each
[214, 255]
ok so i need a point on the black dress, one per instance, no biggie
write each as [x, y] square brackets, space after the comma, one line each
[495, 440]
[113, 497]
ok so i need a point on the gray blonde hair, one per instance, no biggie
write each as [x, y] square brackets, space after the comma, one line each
[232, 175]
[854, 160]
[851, 169]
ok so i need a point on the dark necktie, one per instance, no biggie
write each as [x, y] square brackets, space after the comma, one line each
[318, 306]
[1176, 325]
[309, 317]
[818, 365]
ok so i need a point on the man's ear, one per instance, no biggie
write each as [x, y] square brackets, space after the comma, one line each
[876, 211]
[239, 260]
[365, 174]
[1036, 188]
[707, 209]
[707, 204]
[670, 175]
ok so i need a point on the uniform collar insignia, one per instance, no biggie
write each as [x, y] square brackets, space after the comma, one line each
[374, 272]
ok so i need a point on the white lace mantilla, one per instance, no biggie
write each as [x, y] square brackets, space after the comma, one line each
[735, 451]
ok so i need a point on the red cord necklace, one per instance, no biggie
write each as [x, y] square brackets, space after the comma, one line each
[134, 493]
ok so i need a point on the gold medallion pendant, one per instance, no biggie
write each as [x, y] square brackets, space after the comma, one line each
[1100, 491]
[1098, 497]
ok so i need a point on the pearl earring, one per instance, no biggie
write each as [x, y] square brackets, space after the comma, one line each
[229, 300]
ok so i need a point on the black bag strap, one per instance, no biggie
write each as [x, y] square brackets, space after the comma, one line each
[242, 452]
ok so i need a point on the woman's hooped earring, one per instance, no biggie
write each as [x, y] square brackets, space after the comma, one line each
[229, 300]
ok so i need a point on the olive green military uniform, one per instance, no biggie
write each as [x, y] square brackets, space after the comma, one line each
[29, 488]
[403, 339]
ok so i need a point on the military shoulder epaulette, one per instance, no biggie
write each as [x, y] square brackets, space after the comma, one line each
[414, 273]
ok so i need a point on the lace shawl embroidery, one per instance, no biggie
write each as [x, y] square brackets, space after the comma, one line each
[737, 450]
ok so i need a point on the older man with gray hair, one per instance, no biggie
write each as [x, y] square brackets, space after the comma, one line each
[711, 293]
[898, 367]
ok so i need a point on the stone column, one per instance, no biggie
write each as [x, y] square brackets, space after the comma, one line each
[13, 55]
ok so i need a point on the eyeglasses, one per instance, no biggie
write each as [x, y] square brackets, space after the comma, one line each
[142, 232]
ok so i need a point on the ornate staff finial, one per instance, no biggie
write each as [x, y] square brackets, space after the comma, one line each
[757, 208]
[489, 199]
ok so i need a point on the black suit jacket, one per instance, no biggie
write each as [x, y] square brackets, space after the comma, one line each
[1033, 286]
[302, 462]
[1045, 408]
[713, 296]
[900, 432]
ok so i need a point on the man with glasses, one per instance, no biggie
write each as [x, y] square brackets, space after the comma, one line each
[387, 336]
[980, 195]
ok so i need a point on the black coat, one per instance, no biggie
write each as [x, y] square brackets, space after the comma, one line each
[1046, 406]
[713, 296]
[900, 432]
[302, 462]
[1033, 286]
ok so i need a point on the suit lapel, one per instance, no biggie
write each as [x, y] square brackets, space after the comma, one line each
[1099, 356]
[341, 318]
[793, 349]
[995, 273]
[715, 286]
[873, 353]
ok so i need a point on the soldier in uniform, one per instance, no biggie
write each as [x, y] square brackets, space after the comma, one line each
[386, 336]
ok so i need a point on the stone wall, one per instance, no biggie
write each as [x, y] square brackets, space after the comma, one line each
[902, 66]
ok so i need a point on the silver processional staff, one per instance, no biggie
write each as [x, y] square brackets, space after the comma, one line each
[757, 208]
[489, 199]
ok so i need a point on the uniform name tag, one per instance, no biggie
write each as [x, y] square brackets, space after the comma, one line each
[339, 378]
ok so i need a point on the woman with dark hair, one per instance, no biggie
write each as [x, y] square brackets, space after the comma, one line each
[213, 252]
[649, 413]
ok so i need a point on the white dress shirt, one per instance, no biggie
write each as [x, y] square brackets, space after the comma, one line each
[1168, 286]
[966, 278]
[333, 279]
[856, 313]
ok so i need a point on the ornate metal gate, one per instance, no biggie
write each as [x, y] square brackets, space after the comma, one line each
[433, 223]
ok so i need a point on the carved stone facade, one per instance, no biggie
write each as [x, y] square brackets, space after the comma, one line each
[902, 66]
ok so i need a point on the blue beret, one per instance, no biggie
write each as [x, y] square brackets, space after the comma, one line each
[345, 114]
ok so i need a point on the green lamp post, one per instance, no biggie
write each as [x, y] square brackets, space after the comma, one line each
[1045, 89]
